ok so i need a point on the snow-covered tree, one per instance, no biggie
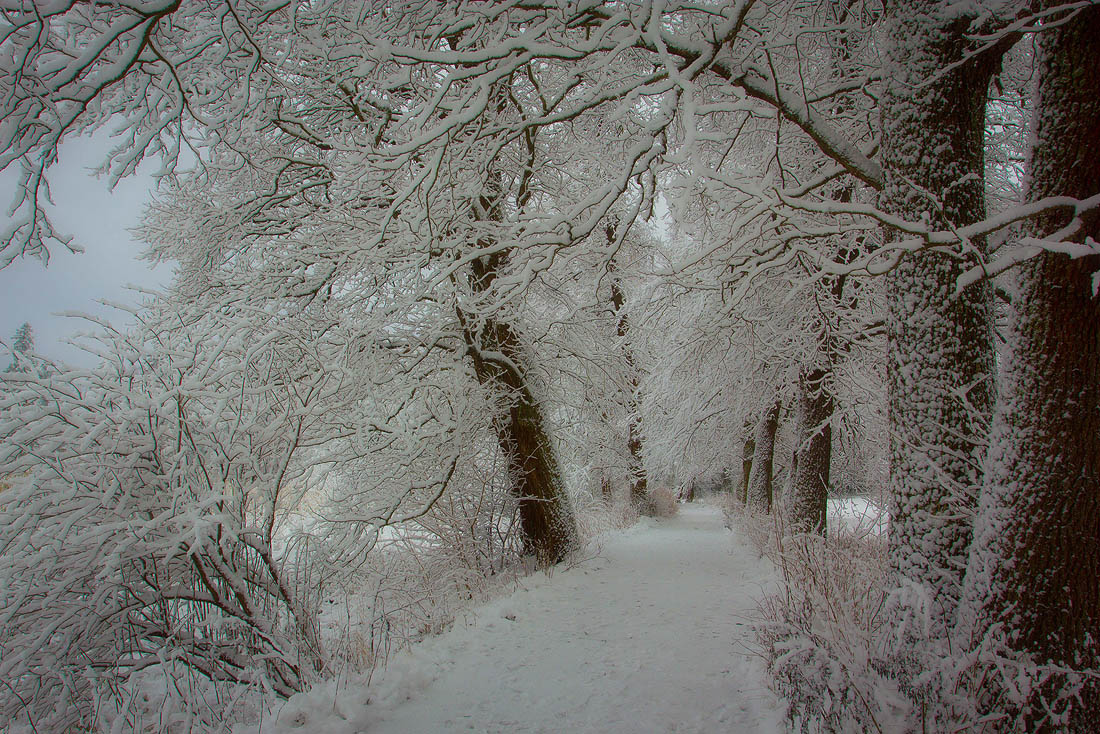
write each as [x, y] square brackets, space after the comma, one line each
[24, 339]
[1032, 576]
[426, 165]
[22, 347]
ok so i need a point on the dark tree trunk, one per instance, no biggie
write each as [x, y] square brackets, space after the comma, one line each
[940, 343]
[808, 499]
[605, 491]
[546, 516]
[639, 481]
[760, 480]
[806, 504]
[1035, 565]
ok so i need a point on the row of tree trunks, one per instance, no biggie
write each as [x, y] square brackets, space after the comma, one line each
[940, 363]
[1032, 564]
[1035, 562]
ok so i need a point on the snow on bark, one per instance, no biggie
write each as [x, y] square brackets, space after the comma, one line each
[1036, 555]
[940, 352]
[760, 479]
[809, 493]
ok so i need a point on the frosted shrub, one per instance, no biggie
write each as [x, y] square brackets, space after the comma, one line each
[138, 534]
[421, 571]
[474, 524]
[850, 651]
[148, 571]
[818, 632]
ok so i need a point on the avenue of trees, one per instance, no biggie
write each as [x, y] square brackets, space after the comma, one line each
[419, 284]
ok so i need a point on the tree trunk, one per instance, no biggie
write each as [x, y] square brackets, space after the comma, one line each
[639, 492]
[760, 479]
[940, 343]
[546, 516]
[746, 468]
[639, 481]
[605, 491]
[1035, 564]
[808, 499]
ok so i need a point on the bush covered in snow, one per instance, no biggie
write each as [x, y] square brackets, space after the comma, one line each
[186, 534]
[850, 650]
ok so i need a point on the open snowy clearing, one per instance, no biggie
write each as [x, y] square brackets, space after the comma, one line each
[858, 515]
[652, 634]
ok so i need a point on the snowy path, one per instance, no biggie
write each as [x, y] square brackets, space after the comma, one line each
[649, 636]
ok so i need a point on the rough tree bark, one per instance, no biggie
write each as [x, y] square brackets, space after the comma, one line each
[760, 479]
[808, 499]
[940, 343]
[1035, 562]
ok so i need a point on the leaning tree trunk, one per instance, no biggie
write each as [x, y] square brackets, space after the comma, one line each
[939, 342]
[1035, 563]
[760, 478]
[807, 502]
[546, 517]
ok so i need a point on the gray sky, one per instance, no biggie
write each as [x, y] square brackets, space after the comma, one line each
[98, 219]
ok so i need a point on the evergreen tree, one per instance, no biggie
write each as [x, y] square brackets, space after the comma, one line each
[22, 348]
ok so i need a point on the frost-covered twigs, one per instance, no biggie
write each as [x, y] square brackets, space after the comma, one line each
[851, 650]
[152, 67]
[142, 525]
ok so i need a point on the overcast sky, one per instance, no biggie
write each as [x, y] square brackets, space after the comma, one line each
[99, 220]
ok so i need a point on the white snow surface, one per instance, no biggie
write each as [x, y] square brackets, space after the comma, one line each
[650, 634]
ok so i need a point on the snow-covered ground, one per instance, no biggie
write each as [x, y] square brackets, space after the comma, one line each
[651, 634]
